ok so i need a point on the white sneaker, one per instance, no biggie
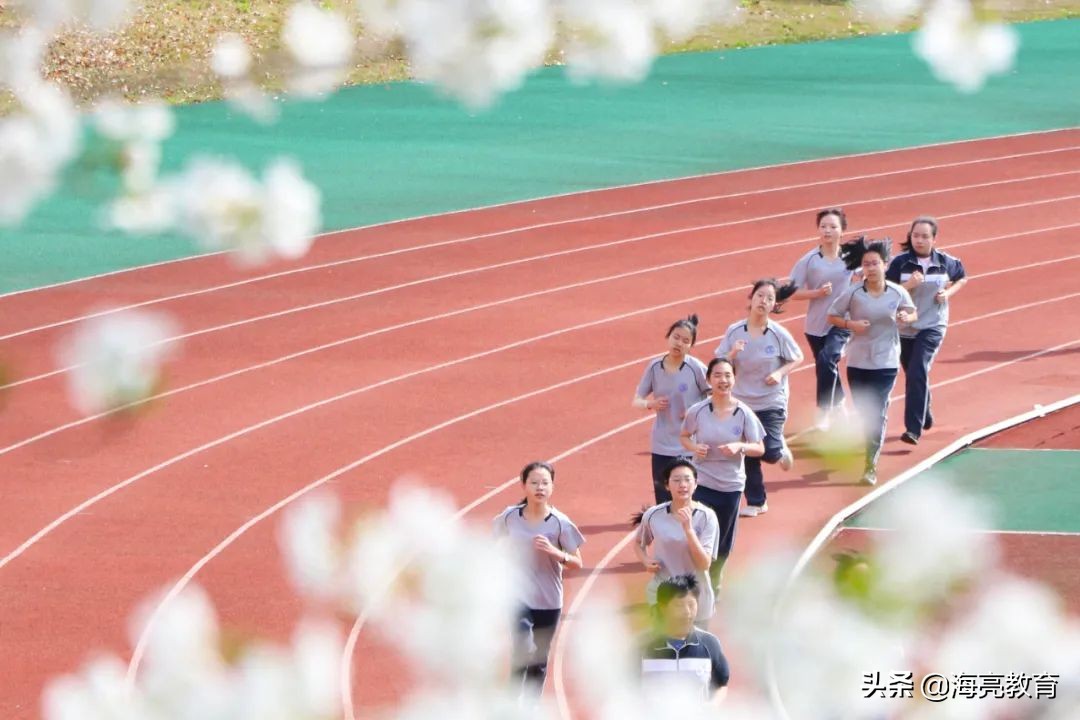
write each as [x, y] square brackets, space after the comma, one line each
[787, 460]
[754, 510]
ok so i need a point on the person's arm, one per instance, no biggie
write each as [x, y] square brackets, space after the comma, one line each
[698, 554]
[642, 543]
[798, 277]
[686, 438]
[907, 312]
[721, 671]
[791, 355]
[643, 397]
[650, 403]
[564, 558]
[573, 559]
[957, 280]
[812, 293]
[838, 315]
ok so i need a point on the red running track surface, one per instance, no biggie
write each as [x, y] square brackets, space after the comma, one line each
[458, 347]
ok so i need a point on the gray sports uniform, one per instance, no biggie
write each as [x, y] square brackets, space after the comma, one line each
[879, 347]
[542, 585]
[682, 388]
[724, 474]
[660, 528]
[811, 272]
[763, 354]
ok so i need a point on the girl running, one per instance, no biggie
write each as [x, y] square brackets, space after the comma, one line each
[820, 275]
[932, 277]
[764, 354]
[720, 432]
[872, 310]
[671, 383]
[682, 535]
[551, 541]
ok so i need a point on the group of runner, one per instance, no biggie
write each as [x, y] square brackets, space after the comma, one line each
[716, 424]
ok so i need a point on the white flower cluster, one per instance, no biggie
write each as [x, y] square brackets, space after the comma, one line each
[962, 51]
[959, 49]
[230, 60]
[476, 49]
[414, 560]
[186, 675]
[221, 206]
[321, 43]
[815, 643]
[138, 131]
[41, 136]
[115, 358]
[100, 15]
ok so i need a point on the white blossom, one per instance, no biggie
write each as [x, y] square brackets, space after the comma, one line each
[608, 39]
[309, 540]
[962, 51]
[601, 649]
[36, 141]
[99, 692]
[21, 53]
[321, 43]
[416, 560]
[139, 129]
[475, 49]
[115, 358]
[182, 671]
[230, 58]
[150, 211]
[678, 19]
[290, 211]
[245, 97]
[932, 542]
[889, 10]
[295, 683]
[99, 15]
[1013, 627]
[223, 207]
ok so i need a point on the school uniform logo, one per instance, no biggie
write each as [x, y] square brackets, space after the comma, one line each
[683, 387]
[770, 350]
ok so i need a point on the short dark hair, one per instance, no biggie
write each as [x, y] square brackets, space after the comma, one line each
[676, 587]
[678, 463]
[688, 323]
[838, 212]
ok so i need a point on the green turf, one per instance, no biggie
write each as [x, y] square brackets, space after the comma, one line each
[394, 151]
[1030, 490]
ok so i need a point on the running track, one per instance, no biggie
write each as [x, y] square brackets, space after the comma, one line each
[460, 346]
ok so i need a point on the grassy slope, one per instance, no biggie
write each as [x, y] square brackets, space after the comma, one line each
[163, 51]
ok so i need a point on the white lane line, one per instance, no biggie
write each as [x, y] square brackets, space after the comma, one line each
[442, 316]
[829, 529]
[524, 228]
[980, 531]
[237, 533]
[666, 233]
[83, 506]
[539, 199]
[560, 690]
